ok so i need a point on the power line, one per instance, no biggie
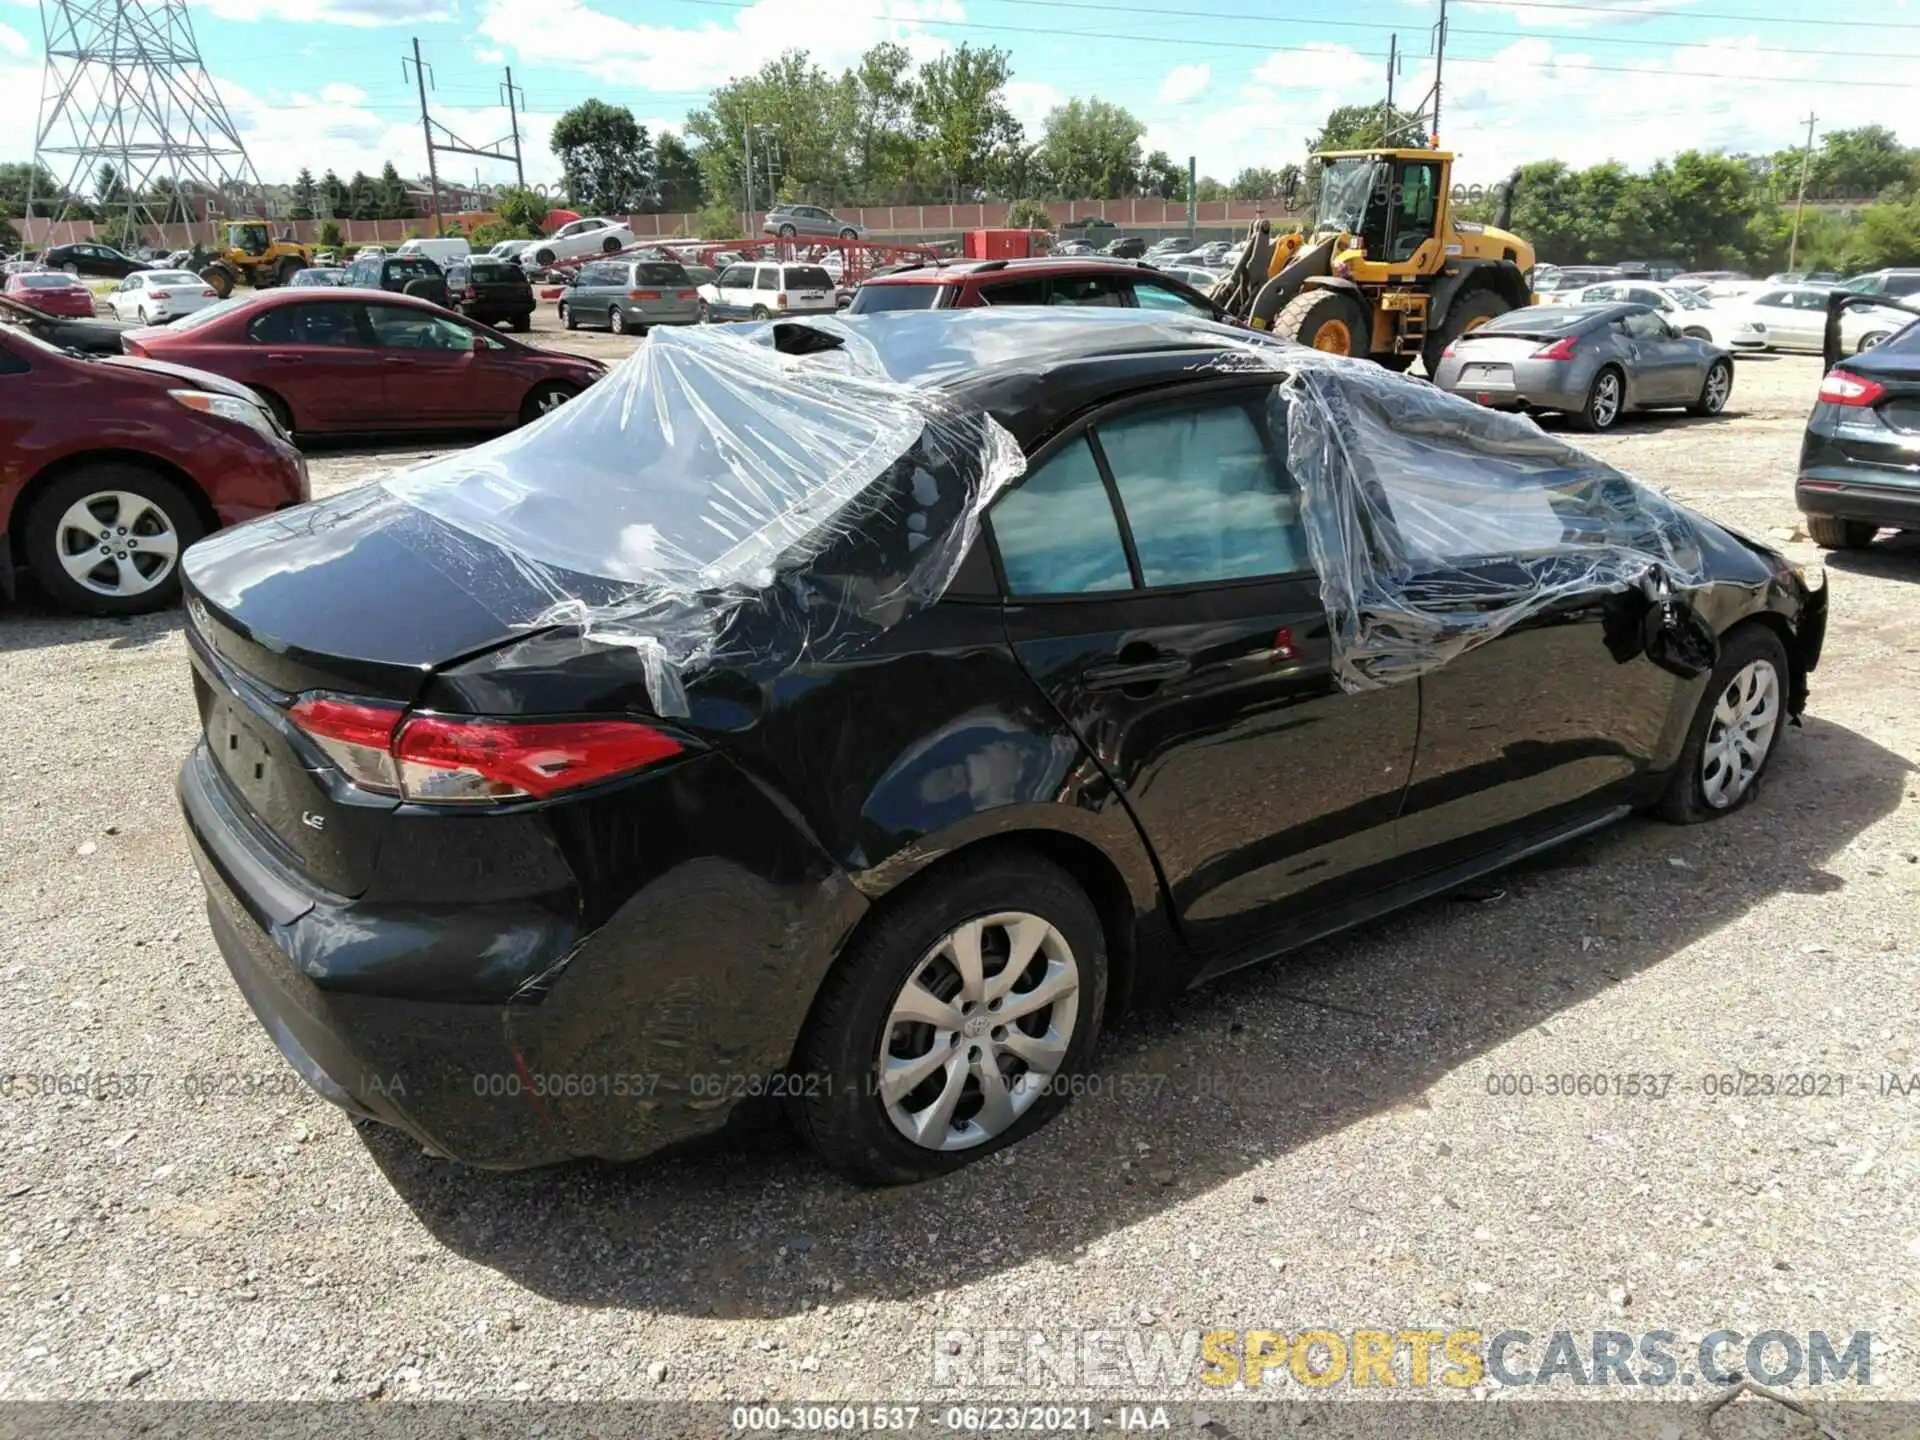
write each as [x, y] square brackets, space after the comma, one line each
[453, 144]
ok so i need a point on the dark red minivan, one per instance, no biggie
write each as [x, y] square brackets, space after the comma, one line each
[369, 361]
[110, 467]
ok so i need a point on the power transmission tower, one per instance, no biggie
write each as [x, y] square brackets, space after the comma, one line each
[1800, 200]
[507, 148]
[125, 86]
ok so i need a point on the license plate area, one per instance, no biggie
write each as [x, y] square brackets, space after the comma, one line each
[1483, 374]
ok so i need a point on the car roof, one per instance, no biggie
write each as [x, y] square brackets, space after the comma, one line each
[949, 271]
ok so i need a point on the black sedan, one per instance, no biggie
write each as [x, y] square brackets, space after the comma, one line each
[1861, 453]
[861, 730]
[87, 337]
[89, 257]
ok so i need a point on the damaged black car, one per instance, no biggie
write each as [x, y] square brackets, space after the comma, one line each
[857, 712]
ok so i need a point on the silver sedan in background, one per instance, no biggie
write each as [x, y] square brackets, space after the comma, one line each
[1593, 362]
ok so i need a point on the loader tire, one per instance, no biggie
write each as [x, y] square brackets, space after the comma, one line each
[1331, 321]
[219, 280]
[1469, 312]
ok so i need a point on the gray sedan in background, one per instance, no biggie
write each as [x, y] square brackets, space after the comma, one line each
[1594, 362]
[627, 296]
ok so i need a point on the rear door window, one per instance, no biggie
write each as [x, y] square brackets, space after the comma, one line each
[1151, 296]
[659, 272]
[1204, 491]
[327, 322]
[1088, 290]
[808, 277]
[1016, 292]
[1057, 533]
[767, 277]
[1645, 325]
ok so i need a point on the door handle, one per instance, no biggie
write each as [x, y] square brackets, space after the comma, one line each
[283, 359]
[1122, 674]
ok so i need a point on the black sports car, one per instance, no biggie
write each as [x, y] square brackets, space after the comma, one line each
[89, 337]
[89, 257]
[857, 711]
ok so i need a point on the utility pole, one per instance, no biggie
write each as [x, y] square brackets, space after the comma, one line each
[1800, 200]
[426, 128]
[1193, 195]
[513, 115]
[1439, 59]
[1393, 68]
[746, 215]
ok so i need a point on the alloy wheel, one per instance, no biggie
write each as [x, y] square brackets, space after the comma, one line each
[978, 1031]
[1605, 405]
[551, 399]
[117, 543]
[1740, 734]
[1719, 386]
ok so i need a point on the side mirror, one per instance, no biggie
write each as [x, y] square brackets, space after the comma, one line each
[479, 342]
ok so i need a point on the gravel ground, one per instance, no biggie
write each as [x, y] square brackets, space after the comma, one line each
[1312, 1144]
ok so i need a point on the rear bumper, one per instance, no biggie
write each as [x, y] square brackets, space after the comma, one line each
[1853, 493]
[640, 1035]
[1521, 395]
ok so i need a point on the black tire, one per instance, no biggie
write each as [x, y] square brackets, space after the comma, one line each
[43, 535]
[849, 233]
[521, 320]
[616, 320]
[279, 407]
[219, 280]
[1685, 801]
[1328, 320]
[1598, 414]
[611, 245]
[543, 256]
[760, 312]
[786, 232]
[705, 318]
[1707, 404]
[1696, 333]
[287, 269]
[1468, 312]
[544, 397]
[1831, 533]
[567, 322]
[838, 1109]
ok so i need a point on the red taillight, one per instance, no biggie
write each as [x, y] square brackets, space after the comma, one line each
[443, 759]
[689, 294]
[780, 301]
[1448, 353]
[1561, 349]
[643, 294]
[357, 736]
[159, 294]
[463, 761]
[1843, 387]
[208, 294]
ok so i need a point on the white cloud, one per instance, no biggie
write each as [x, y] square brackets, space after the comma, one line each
[490, 57]
[12, 41]
[358, 14]
[573, 35]
[342, 94]
[1030, 101]
[1320, 67]
[1186, 83]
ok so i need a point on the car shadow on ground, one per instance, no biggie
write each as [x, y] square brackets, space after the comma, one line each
[1891, 557]
[33, 622]
[1190, 1095]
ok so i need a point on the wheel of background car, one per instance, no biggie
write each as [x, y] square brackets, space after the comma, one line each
[424, 287]
[955, 1022]
[287, 269]
[107, 539]
[543, 256]
[1735, 731]
[1833, 534]
[1715, 389]
[1606, 397]
[786, 232]
[610, 245]
[523, 320]
[566, 317]
[702, 312]
[545, 398]
[849, 233]
[1867, 342]
[760, 312]
[1330, 321]
[1467, 313]
[281, 410]
[616, 320]
[141, 313]
[1694, 332]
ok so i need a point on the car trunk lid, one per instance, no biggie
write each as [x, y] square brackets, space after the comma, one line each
[360, 597]
[1886, 433]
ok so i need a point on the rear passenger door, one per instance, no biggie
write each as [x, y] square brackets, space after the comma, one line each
[319, 358]
[1159, 592]
[736, 292]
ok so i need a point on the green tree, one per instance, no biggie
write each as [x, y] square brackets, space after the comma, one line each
[363, 197]
[121, 232]
[1091, 149]
[1209, 188]
[391, 196]
[960, 105]
[1852, 164]
[606, 159]
[18, 177]
[1365, 127]
[1255, 183]
[523, 210]
[878, 94]
[108, 189]
[330, 201]
[716, 221]
[676, 174]
[1161, 178]
[304, 198]
[330, 235]
[1028, 215]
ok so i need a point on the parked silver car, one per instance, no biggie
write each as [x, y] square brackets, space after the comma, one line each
[628, 296]
[1594, 362]
[788, 221]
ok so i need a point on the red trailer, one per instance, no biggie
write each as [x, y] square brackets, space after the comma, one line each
[1007, 244]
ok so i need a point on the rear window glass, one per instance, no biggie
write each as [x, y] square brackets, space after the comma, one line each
[872, 299]
[48, 282]
[412, 267]
[808, 277]
[491, 272]
[657, 272]
[219, 310]
[1540, 320]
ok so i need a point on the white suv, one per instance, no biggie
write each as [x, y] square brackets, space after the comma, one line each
[589, 236]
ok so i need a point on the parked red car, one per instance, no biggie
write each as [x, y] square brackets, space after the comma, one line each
[363, 361]
[110, 467]
[51, 292]
[1047, 280]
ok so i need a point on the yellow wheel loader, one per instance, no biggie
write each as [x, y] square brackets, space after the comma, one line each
[1384, 271]
[250, 252]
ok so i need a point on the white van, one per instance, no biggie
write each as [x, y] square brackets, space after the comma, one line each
[442, 252]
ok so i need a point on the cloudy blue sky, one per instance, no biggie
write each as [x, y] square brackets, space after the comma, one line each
[1234, 82]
